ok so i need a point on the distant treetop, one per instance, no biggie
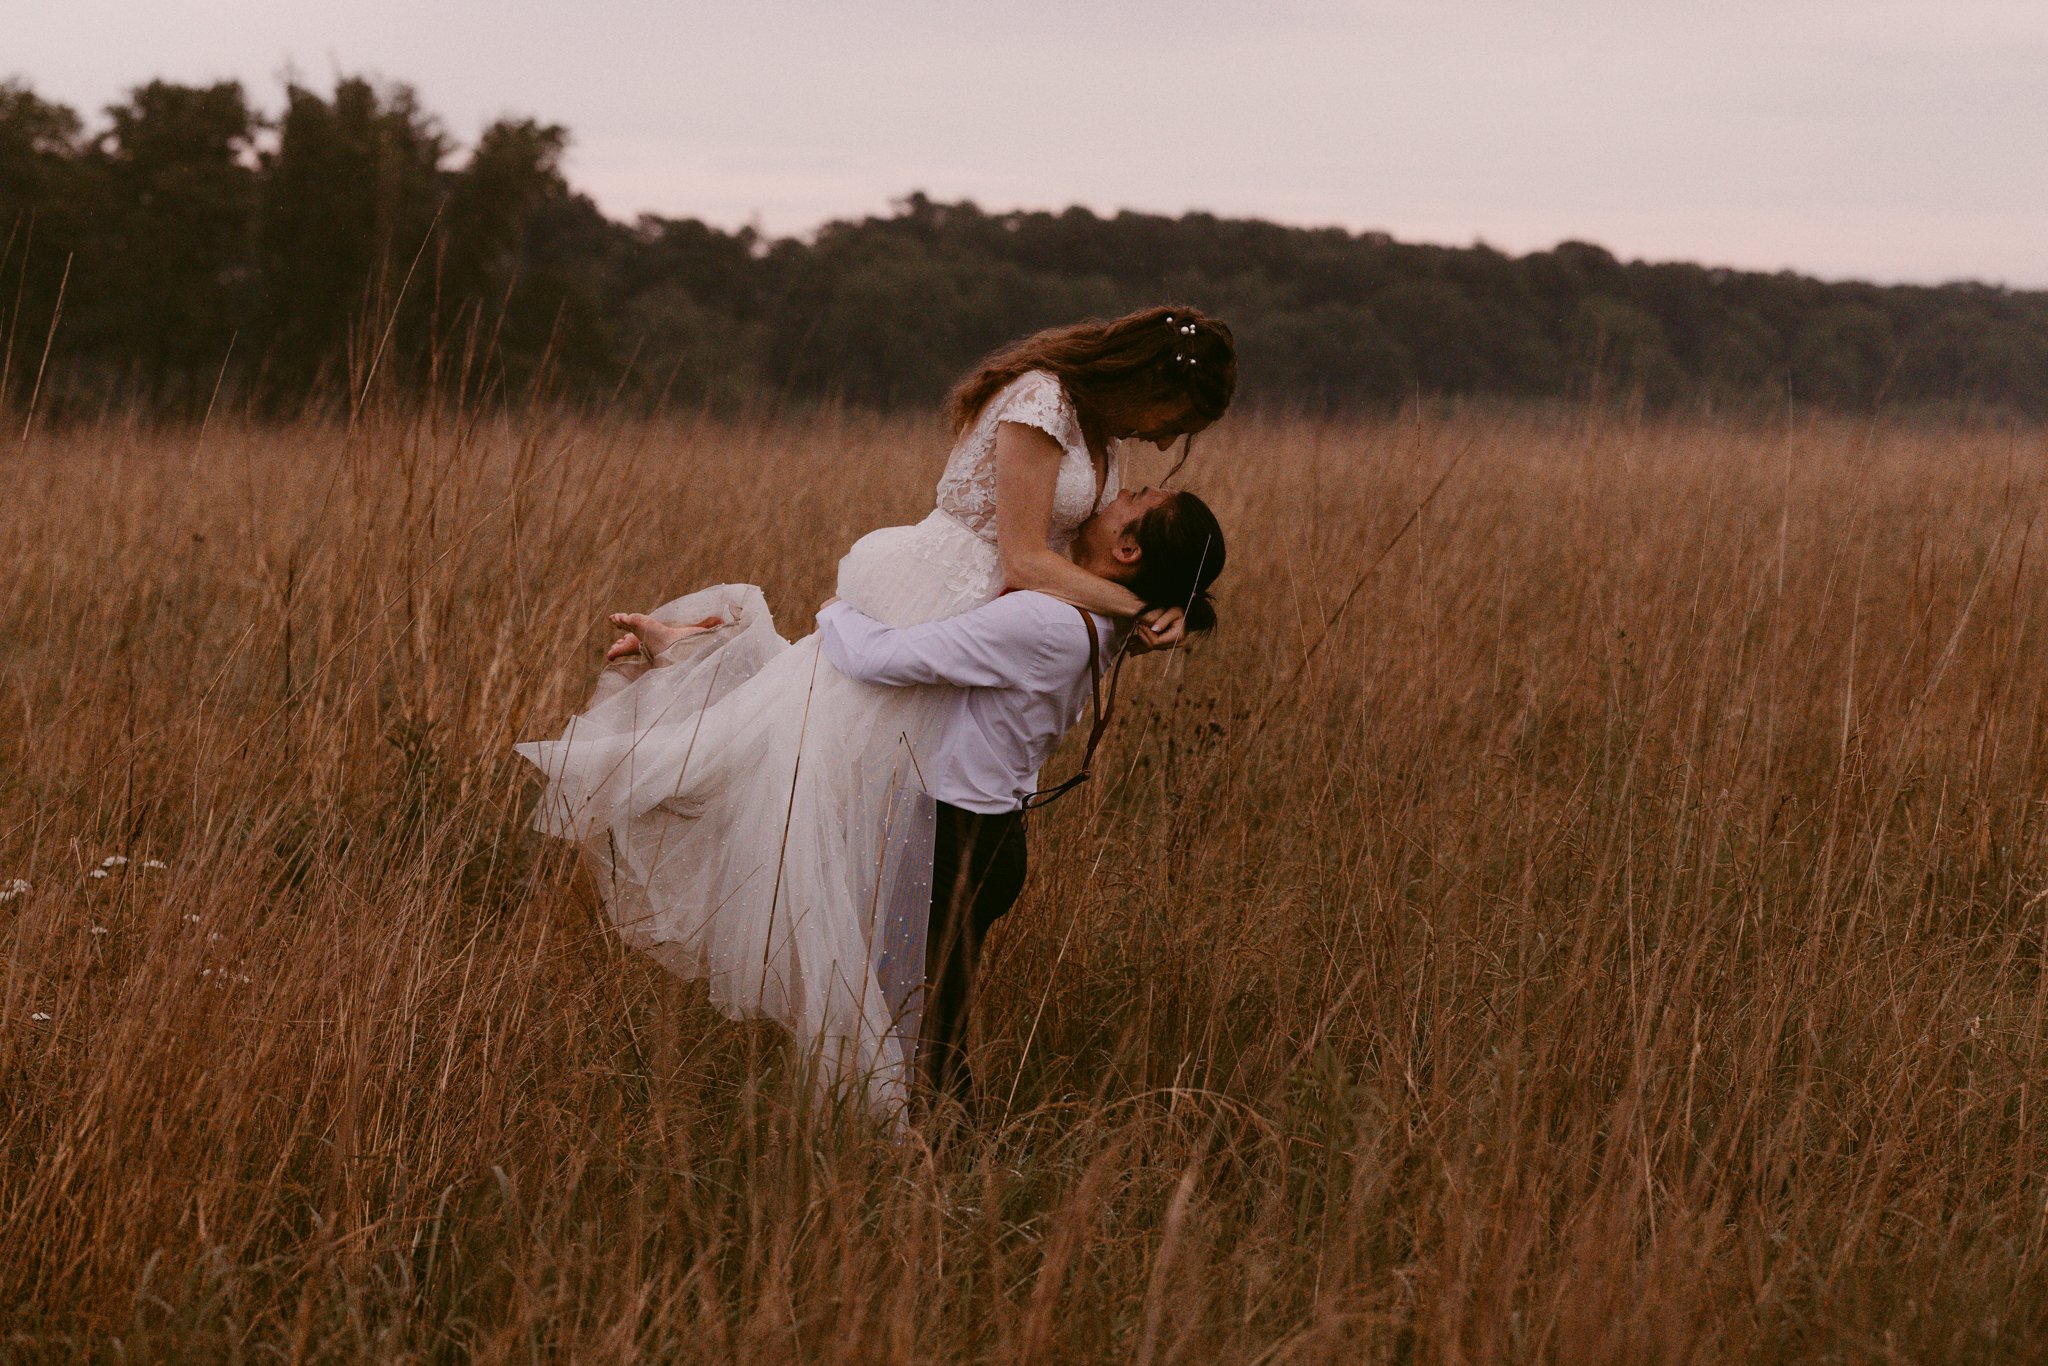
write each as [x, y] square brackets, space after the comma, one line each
[203, 252]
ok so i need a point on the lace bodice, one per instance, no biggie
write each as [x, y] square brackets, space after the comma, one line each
[967, 490]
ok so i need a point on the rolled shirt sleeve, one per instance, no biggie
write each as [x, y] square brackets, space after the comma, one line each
[998, 645]
[1018, 673]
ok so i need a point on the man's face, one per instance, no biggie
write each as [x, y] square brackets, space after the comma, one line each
[1108, 533]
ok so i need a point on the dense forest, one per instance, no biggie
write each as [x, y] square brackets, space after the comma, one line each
[198, 250]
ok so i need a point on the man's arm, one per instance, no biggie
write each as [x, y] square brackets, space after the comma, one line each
[996, 645]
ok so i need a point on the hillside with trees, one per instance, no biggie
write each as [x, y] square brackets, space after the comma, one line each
[193, 249]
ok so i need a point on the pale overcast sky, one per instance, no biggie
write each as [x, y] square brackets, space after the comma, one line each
[1885, 139]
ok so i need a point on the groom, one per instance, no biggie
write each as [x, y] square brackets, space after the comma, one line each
[1025, 669]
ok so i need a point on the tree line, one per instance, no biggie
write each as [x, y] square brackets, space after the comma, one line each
[195, 250]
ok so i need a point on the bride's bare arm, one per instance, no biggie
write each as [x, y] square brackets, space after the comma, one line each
[1027, 471]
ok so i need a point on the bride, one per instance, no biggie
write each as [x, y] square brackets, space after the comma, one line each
[755, 817]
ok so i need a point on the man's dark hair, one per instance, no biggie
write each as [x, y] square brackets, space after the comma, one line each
[1180, 549]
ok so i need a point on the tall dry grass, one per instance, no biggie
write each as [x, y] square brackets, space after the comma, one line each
[1623, 942]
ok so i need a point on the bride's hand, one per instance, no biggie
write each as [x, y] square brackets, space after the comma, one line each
[1160, 628]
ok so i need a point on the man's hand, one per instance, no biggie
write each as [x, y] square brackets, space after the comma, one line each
[1159, 628]
[645, 635]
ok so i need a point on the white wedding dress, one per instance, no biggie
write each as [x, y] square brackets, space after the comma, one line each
[757, 818]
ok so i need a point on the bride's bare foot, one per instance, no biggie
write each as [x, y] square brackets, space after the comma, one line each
[646, 635]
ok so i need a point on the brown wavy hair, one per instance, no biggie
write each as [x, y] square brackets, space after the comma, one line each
[1117, 371]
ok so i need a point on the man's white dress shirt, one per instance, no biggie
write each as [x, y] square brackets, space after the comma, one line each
[1022, 669]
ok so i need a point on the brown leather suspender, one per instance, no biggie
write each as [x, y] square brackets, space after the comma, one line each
[1102, 708]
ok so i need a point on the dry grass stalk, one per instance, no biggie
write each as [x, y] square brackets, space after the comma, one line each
[1625, 942]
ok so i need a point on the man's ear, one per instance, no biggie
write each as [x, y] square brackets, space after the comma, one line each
[1126, 550]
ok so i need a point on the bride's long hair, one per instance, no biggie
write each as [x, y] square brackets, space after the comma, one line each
[1119, 371]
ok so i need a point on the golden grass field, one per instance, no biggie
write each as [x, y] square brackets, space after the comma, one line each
[1625, 941]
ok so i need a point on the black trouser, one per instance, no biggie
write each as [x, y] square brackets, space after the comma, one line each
[978, 866]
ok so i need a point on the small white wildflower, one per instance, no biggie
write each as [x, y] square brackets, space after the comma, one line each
[206, 972]
[154, 863]
[99, 929]
[97, 872]
[243, 977]
[15, 887]
[114, 861]
[41, 1017]
[213, 938]
[191, 919]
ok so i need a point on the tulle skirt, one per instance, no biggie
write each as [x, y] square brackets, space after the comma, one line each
[758, 819]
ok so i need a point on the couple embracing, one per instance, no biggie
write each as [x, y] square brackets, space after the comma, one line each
[824, 829]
